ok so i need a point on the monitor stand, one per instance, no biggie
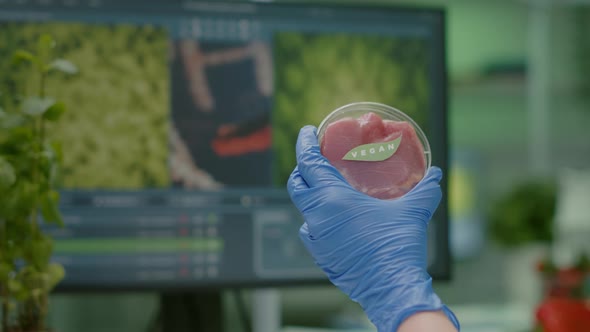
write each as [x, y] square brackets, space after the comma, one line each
[190, 312]
[266, 310]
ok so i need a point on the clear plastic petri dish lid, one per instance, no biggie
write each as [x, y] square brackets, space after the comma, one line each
[380, 150]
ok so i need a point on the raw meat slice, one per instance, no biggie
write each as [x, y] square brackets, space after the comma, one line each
[387, 179]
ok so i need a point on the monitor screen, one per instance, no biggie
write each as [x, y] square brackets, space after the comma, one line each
[182, 124]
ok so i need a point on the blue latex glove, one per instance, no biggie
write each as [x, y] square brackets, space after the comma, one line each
[373, 250]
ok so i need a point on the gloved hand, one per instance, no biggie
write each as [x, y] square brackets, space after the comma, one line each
[373, 250]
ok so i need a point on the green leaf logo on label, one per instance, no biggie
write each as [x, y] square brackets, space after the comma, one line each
[374, 151]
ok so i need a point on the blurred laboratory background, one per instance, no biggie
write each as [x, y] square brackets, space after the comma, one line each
[179, 132]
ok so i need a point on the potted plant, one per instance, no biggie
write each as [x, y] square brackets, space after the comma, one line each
[522, 222]
[566, 281]
[29, 169]
[524, 215]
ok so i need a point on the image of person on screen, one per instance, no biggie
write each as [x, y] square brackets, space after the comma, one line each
[184, 170]
[374, 250]
[221, 113]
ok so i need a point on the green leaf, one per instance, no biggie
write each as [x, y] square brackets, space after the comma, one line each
[58, 151]
[5, 271]
[3, 115]
[56, 273]
[7, 174]
[22, 56]
[53, 155]
[373, 151]
[17, 146]
[14, 286]
[30, 280]
[48, 165]
[55, 111]
[583, 262]
[11, 120]
[63, 66]
[36, 294]
[38, 253]
[36, 106]
[44, 46]
[17, 290]
[25, 200]
[50, 208]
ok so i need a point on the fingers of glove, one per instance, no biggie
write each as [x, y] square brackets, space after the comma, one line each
[434, 174]
[334, 209]
[328, 208]
[307, 138]
[306, 237]
[301, 195]
[313, 166]
[326, 253]
[427, 194]
[296, 183]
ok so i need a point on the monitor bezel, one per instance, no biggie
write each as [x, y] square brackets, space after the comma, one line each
[440, 271]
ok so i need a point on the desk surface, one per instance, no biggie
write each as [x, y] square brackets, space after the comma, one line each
[473, 318]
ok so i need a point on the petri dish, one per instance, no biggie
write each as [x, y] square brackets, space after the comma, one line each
[379, 150]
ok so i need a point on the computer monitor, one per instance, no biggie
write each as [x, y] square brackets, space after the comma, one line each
[182, 124]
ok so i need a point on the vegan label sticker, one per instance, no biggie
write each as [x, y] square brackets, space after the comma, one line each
[373, 151]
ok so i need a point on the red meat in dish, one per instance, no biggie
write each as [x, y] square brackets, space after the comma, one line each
[387, 179]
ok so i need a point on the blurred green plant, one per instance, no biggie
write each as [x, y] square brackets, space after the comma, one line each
[317, 73]
[29, 170]
[524, 215]
[118, 136]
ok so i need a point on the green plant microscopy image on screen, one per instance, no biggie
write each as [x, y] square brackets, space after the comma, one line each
[317, 73]
[115, 132]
